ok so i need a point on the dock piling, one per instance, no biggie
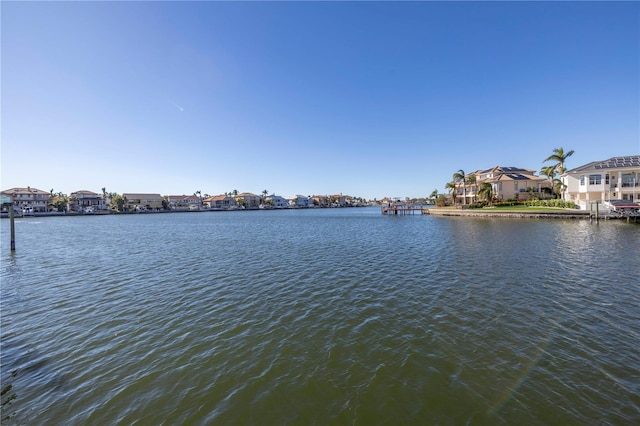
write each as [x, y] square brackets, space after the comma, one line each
[13, 229]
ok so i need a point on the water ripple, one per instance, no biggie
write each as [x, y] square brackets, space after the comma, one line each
[328, 316]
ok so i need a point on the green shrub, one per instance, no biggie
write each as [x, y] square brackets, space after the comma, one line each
[551, 203]
[477, 205]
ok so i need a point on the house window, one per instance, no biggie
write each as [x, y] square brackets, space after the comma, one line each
[595, 179]
[581, 180]
[606, 179]
[628, 180]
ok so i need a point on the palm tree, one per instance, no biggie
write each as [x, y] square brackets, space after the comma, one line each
[549, 172]
[264, 196]
[460, 176]
[559, 157]
[451, 186]
[434, 195]
[558, 187]
[486, 192]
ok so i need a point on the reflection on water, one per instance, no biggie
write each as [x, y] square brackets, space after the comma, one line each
[336, 316]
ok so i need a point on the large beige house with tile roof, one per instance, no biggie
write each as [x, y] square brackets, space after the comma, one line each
[143, 201]
[219, 202]
[32, 199]
[506, 182]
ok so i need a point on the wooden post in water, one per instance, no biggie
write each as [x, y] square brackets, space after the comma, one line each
[597, 216]
[13, 228]
[7, 201]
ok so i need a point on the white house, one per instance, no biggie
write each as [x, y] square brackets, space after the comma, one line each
[614, 179]
[85, 200]
[303, 201]
[278, 201]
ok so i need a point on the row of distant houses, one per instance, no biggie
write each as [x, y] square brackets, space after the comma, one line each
[37, 201]
[614, 179]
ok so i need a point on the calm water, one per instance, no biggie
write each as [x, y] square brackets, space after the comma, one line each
[337, 316]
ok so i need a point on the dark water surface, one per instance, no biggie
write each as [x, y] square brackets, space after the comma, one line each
[337, 316]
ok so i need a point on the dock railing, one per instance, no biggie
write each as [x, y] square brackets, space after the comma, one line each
[403, 209]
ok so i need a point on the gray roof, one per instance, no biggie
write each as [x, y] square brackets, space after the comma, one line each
[612, 163]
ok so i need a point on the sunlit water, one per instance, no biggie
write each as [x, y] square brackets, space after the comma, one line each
[336, 316]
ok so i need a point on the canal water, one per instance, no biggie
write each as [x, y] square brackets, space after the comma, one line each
[333, 316]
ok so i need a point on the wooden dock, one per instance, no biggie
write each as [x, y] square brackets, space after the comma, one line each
[403, 210]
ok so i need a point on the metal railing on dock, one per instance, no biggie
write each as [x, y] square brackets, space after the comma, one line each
[404, 209]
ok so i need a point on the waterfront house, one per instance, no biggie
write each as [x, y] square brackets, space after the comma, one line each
[614, 179]
[320, 200]
[143, 202]
[220, 202]
[248, 200]
[184, 202]
[302, 201]
[351, 201]
[506, 182]
[338, 200]
[85, 201]
[278, 201]
[29, 199]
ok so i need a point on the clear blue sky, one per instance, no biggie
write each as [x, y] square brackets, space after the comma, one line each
[369, 99]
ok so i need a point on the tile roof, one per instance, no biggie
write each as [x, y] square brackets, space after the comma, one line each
[27, 190]
[182, 197]
[217, 198]
[132, 196]
[84, 192]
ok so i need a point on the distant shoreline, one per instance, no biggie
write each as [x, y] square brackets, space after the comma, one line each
[5, 215]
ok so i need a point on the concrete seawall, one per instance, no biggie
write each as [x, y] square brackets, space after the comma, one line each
[520, 214]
